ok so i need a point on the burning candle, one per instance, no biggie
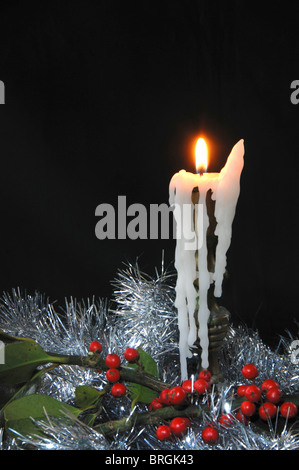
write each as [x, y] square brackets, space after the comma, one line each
[191, 254]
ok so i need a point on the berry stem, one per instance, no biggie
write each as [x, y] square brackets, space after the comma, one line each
[150, 418]
[96, 361]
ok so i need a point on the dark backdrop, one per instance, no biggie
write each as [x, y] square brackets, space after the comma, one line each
[103, 98]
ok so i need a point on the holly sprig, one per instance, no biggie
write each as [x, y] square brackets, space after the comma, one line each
[26, 362]
[170, 408]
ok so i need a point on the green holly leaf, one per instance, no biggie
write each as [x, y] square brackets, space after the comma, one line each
[9, 393]
[87, 397]
[89, 400]
[20, 413]
[140, 393]
[21, 360]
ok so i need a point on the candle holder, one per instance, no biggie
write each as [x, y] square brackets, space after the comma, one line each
[218, 326]
[219, 319]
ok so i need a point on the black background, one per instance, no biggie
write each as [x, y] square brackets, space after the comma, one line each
[105, 98]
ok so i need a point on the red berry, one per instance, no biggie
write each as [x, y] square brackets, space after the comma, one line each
[288, 410]
[253, 393]
[164, 396]
[250, 371]
[241, 390]
[118, 390]
[226, 420]
[177, 395]
[113, 375]
[188, 386]
[248, 408]
[163, 432]
[205, 374]
[187, 421]
[131, 355]
[178, 426]
[155, 404]
[267, 411]
[201, 386]
[210, 435]
[274, 395]
[242, 418]
[95, 346]
[268, 384]
[112, 360]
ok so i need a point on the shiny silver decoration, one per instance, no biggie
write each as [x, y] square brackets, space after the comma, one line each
[140, 313]
[243, 346]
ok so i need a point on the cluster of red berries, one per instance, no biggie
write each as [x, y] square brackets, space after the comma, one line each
[113, 362]
[178, 396]
[257, 400]
[267, 397]
[177, 427]
[199, 386]
[261, 400]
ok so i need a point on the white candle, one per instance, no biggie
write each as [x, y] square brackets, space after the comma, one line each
[225, 187]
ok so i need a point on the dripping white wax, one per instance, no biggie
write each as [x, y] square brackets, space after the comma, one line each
[225, 187]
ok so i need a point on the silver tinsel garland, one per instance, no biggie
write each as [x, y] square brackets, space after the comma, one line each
[141, 313]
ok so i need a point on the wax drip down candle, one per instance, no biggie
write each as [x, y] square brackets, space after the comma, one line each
[190, 195]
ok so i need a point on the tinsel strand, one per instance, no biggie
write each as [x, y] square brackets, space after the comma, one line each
[140, 313]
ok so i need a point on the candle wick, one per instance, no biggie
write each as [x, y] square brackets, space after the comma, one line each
[200, 171]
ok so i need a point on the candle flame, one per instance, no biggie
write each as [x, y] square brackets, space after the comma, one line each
[201, 155]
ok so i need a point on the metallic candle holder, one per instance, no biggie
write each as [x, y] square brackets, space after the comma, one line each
[219, 319]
